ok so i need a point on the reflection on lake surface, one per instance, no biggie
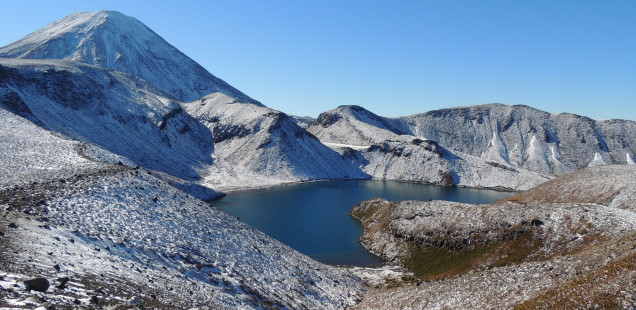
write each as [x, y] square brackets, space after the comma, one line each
[313, 217]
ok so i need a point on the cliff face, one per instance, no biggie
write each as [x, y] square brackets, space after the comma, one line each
[527, 137]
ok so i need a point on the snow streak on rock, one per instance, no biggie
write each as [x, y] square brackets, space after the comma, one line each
[536, 158]
[598, 160]
[496, 150]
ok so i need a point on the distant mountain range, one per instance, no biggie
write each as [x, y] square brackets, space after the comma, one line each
[519, 136]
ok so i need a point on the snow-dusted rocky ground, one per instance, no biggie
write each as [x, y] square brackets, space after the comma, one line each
[122, 236]
[30, 153]
[613, 185]
[535, 250]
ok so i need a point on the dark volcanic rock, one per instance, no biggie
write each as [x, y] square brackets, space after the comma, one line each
[37, 284]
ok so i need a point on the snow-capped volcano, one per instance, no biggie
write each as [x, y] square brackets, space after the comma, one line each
[128, 114]
[118, 42]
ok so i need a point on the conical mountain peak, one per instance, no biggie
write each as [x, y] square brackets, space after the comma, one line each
[112, 40]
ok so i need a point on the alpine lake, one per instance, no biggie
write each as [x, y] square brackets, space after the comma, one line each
[314, 219]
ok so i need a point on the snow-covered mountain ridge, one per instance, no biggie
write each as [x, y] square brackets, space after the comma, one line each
[538, 140]
[258, 146]
[518, 136]
[385, 149]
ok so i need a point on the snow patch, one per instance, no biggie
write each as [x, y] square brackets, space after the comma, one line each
[629, 159]
[598, 160]
[496, 150]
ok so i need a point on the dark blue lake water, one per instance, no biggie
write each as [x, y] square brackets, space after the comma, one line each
[313, 217]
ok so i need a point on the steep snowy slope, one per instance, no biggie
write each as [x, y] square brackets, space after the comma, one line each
[381, 149]
[257, 146]
[537, 140]
[113, 110]
[112, 40]
[29, 153]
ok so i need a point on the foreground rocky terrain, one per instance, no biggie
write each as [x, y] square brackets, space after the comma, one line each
[535, 250]
[102, 233]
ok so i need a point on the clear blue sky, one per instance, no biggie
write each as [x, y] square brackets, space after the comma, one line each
[393, 57]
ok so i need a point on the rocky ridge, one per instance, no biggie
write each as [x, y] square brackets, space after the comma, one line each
[384, 149]
[256, 146]
[519, 137]
[527, 137]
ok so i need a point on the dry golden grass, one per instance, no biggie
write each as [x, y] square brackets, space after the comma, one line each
[591, 289]
[599, 185]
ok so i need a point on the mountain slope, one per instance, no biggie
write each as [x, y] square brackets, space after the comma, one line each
[540, 141]
[115, 111]
[354, 125]
[257, 146]
[123, 237]
[115, 41]
[29, 153]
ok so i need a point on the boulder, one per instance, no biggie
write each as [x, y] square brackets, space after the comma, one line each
[37, 284]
